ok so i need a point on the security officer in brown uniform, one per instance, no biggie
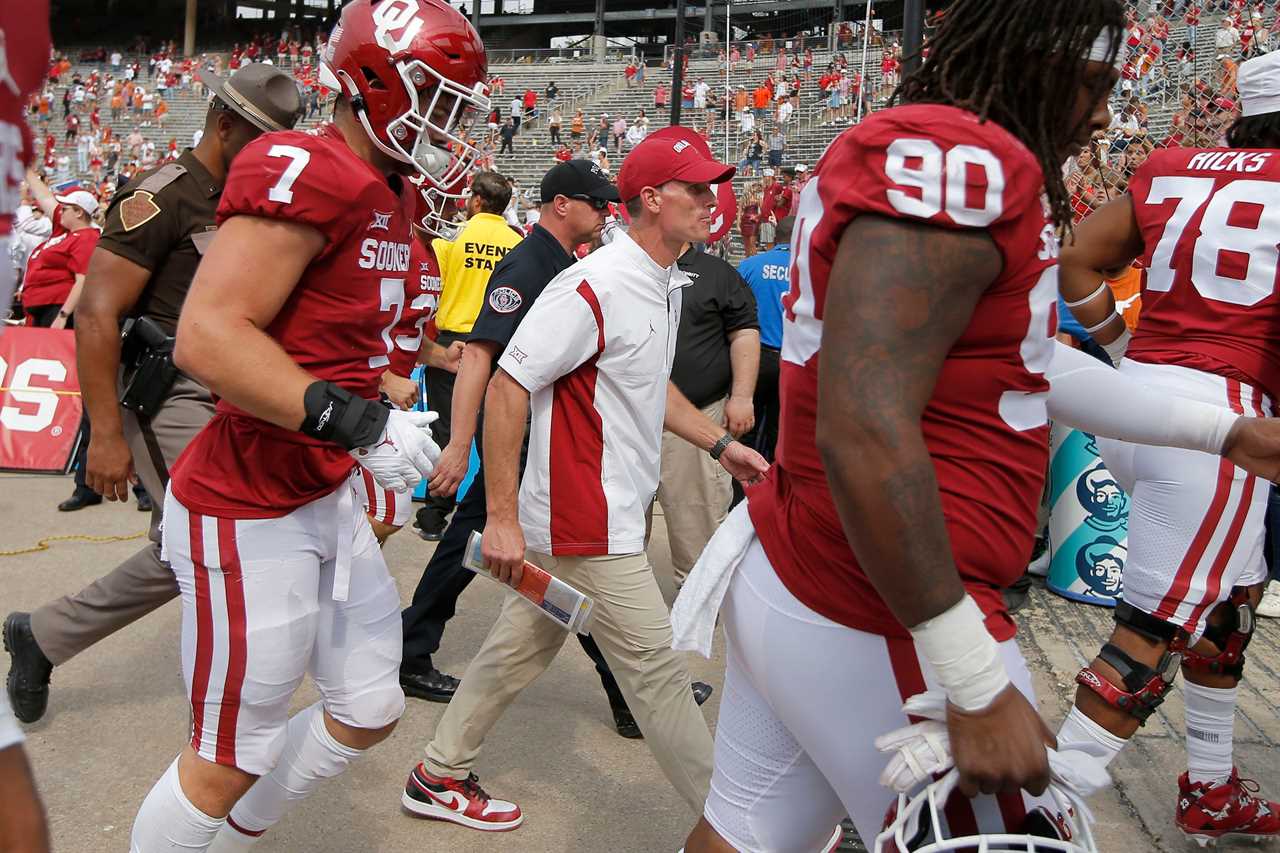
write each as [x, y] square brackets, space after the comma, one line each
[142, 411]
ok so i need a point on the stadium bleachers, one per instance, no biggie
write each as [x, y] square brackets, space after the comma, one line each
[601, 89]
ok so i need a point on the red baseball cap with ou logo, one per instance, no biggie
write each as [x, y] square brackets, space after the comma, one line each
[671, 154]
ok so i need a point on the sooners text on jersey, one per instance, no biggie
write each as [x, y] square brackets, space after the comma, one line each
[1210, 221]
[336, 324]
[421, 298]
[986, 424]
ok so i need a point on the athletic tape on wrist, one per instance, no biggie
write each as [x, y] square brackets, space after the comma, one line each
[963, 654]
[1116, 349]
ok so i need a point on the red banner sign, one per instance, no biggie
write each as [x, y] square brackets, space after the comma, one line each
[39, 399]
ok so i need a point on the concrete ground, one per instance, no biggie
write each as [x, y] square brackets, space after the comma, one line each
[118, 716]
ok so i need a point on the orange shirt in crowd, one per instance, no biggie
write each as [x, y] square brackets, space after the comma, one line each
[1127, 290]
[760, 97]
[739, 100]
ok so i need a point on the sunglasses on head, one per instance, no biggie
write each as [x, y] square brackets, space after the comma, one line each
[597, 203]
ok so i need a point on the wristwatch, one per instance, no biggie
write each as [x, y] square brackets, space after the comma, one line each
[719, 446]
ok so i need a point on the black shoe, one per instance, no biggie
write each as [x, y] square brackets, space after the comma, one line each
[429, 524]
[1016, 594]
[29, 669]
[626, 724]
[144, 503]
[434, 686]
[79, 500]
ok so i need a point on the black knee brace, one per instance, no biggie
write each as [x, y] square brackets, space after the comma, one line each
[1144, 687]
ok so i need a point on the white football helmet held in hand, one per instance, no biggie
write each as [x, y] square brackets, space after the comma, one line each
[405, 452]
[919, 752]
[917, 825]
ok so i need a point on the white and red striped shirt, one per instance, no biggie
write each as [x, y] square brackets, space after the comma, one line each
[595, 353]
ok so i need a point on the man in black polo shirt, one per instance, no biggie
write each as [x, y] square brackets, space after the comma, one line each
[575, 197]
[717, 359]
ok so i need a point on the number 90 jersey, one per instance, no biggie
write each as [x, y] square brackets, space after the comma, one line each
[337, 324]
[985, 426]
[1210, 221]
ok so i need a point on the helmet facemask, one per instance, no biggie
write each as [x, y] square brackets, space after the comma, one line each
[439, 206]
[440, 117]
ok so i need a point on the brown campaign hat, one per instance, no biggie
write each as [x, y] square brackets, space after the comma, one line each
[262, 95]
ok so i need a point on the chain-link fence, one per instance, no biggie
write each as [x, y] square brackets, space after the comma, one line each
[1177, 87]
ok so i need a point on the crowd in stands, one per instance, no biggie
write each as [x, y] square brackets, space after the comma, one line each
[1161, 74]
[99, 118]
[104, 120]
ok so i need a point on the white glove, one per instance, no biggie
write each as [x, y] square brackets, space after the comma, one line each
[916, 753]
[920, 751]
[404, 454]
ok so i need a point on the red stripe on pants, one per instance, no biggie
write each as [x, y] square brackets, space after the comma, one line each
[910, 681]
[1213, 589]
[370, 493]
[204, 630]
[1212, 518]
[389, 503]
[237, 646]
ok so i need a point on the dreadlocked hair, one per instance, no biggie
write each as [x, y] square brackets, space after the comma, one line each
[1260, 131]
[1020, 64]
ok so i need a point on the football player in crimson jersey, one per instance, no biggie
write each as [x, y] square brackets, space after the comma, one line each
[289, 323]
[918, 375]
[1206, 223]
[413, 340]
[24, 58]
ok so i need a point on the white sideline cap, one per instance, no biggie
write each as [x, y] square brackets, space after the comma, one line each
[1259, 83]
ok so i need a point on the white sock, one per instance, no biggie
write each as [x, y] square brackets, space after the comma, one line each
[168, 822]
[1211, 715]
[310, 756]
[1080, 732]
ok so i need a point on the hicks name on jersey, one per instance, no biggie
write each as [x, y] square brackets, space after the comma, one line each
[1229, 161]
[384, 255]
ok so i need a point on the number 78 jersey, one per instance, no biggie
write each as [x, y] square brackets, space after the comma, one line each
[986, 424]
[1210, 222]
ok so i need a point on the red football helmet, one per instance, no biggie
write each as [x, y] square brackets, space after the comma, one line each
[416, 73]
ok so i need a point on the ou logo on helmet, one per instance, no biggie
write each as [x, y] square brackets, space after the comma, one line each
[723, 215]
[396, 16]
[726, 210]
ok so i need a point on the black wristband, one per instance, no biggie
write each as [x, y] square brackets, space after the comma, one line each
[719, 446]
[337, 415]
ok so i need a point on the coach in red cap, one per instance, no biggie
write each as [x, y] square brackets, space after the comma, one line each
[600, 397]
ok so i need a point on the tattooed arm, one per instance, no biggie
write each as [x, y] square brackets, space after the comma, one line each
[887, 328]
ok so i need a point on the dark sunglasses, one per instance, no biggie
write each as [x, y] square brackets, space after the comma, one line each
[596, 203]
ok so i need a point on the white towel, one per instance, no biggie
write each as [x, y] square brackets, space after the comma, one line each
[693, 616]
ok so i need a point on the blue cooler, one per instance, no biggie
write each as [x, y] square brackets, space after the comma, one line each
[1088, 521]
[420, 491]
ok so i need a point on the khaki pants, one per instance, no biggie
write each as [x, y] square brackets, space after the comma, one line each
[67, 626]
[631, 625]
[694, 492]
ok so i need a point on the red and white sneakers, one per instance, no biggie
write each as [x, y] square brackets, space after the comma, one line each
[1207, 812]
[459, 800]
